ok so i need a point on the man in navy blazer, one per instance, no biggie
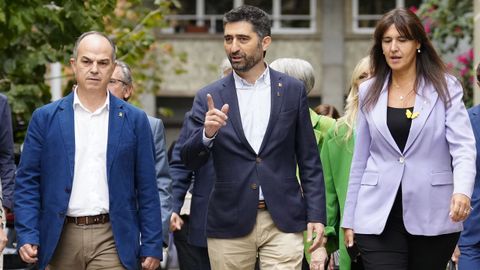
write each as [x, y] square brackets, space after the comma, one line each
[469, 242]
[257, 135]
[85, 195]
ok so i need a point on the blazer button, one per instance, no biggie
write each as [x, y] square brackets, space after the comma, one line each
[401, 160]
[67, 190]
[253, 186]
[258, 160]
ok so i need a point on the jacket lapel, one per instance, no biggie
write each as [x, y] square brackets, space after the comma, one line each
[67, 129]
[424, 103]
[229, 96]
[379, 115]
[277, 93]
[116, 120]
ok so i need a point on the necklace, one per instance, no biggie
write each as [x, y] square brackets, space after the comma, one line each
[402, 97]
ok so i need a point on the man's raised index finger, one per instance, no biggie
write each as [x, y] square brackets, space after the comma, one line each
[210, 103]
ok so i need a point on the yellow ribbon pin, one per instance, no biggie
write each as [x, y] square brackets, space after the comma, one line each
[411, 115]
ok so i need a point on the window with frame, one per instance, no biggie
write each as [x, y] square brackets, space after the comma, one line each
[366, 13]
[205, 16]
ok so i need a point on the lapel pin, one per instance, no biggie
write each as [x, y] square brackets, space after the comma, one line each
[120, 114]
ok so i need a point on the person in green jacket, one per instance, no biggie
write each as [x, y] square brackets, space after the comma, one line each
[303, 71]
[336, 155]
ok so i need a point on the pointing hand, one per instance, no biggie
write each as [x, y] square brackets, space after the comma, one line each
[214, 118]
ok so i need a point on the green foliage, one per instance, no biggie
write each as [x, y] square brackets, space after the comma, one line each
[449, 23]
[32, 34]
[35, 33]
[133, 27]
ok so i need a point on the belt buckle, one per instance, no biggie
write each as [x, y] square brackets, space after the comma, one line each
[97, 219]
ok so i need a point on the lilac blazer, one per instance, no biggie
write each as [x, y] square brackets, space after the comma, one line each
[438, 160]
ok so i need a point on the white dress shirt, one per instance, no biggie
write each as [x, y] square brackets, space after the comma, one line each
[254, 103]
[90, 189]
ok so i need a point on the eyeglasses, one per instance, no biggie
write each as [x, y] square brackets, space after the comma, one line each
[115, 81]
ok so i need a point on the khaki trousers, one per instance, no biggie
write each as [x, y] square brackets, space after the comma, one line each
[275, 249]
[86, 247]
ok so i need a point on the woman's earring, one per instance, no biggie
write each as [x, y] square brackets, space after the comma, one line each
[418, 50]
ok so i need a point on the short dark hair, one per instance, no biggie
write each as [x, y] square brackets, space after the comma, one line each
[258, 18]
[84, 35]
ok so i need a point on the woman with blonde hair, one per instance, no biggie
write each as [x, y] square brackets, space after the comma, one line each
[336, 155]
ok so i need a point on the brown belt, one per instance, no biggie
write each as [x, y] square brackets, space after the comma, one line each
[88, 220]
[261, 205]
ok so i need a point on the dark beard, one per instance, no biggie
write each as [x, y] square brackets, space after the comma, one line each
[250, 61]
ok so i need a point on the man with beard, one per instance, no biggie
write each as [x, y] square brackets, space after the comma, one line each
[255, 123]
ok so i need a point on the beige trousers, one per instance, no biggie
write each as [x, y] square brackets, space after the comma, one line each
[88, 247]
[275, 249]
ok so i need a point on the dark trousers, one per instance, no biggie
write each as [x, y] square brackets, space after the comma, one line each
[396, 249]
[190, 257]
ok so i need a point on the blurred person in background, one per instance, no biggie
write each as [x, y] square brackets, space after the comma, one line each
[469, 242]
[302, 70]
[7, 168]
[327, 110]
[336, 156]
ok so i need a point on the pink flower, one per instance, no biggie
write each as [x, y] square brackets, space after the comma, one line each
[462, 59]
[413, 9]
[427, 27]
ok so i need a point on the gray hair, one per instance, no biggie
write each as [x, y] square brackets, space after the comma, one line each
[258, 18]
[225, 67]
[297, 68]
[126, 71]
[84, 35]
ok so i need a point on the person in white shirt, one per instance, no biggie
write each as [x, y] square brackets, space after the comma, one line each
[85, 194]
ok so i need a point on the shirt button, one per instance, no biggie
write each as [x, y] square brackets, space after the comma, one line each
[258, 160]
[253, 186]
[401, 160]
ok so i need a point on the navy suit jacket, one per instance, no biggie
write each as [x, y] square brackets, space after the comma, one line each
[7, 157]
[471, 229]
[202, 180]
[289, 140]
[45, 176]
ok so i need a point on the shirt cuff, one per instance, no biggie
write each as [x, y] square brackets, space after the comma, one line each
[208, 142]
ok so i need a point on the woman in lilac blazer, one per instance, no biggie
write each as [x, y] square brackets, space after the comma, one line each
[413, 166]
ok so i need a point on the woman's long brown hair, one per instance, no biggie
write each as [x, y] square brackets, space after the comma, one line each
[429, 65]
